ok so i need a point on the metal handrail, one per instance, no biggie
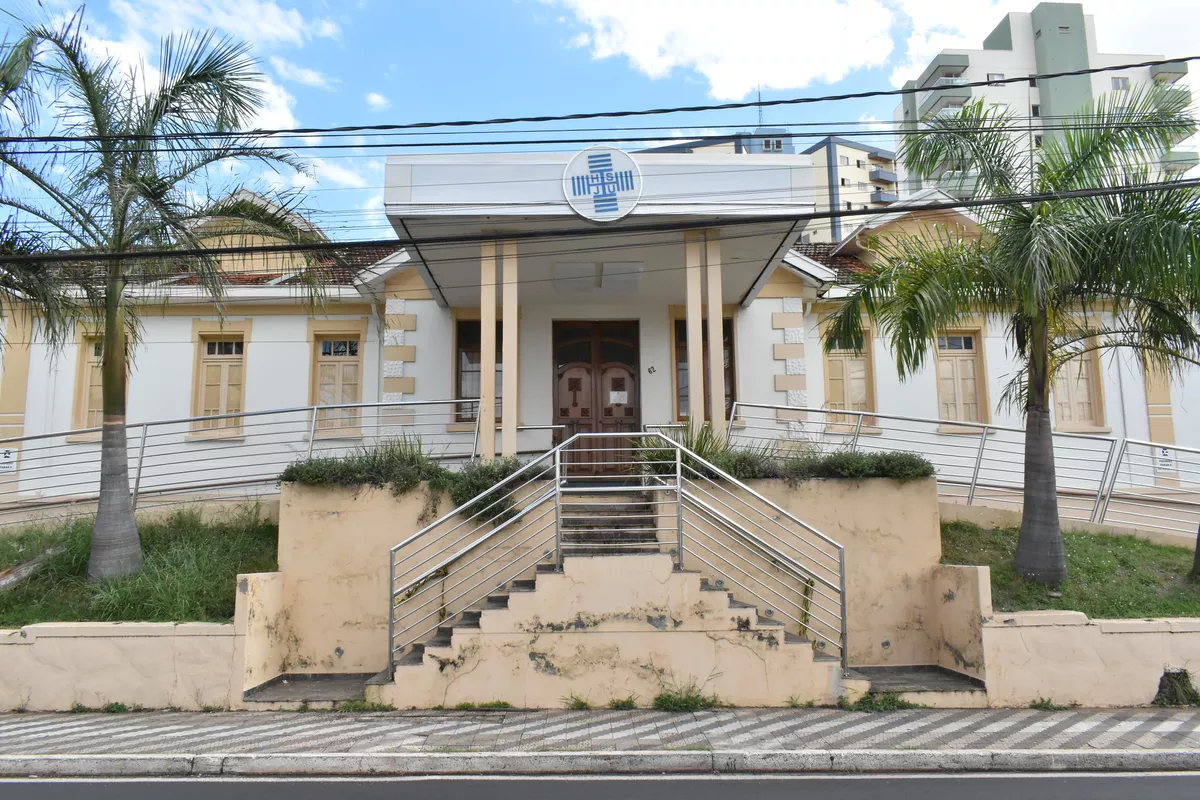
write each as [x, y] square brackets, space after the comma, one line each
[1127, 481]
[487, 552]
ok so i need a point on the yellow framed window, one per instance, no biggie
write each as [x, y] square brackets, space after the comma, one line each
[848, 384]
[683, 386]
[222, 382]
[91, 392]
[338, 382]
[1076, 394]
[959, 378]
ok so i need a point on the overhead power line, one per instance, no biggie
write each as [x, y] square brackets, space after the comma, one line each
[1019, 125]
[591, 114]
[597, 230]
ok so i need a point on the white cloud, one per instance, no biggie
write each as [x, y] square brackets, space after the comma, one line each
[294, 72]
[778, 44]
[377, 102]
[276, 110]
[261, 22]
[329, 172]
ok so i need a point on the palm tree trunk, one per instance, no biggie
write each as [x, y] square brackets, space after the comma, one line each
[1196, 559]
[116, 547]
[1041, 555]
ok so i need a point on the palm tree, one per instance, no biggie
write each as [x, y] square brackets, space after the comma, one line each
[129, 185]
[1071, 275]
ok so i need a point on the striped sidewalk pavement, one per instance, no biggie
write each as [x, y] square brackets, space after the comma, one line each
[166, 732]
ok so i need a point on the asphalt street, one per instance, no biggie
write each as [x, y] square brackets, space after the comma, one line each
[950, 787]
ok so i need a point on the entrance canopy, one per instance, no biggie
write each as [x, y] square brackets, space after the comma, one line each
[431, 197]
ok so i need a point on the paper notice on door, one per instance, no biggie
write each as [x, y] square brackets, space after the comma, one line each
[618, 398]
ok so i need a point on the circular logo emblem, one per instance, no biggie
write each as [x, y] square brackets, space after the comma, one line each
[602, 183]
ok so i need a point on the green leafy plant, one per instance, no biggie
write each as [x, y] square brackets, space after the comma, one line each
[362, 706]
[574, 702]
[496, 704]
[1046, 704]
[873, 703]
[623, 703]
[795, 702]
[114, 708]
[111, 196]
[1175, 688]
[685, 697]
[1046, 266]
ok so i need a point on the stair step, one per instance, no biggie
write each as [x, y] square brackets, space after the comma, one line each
[496, 601]
[766, 622]
[523, 585]
[740, 604]
[414, 657]
[706, 586]
[794, 638]
[544, 568]
[821, 656]
[468, 619]
[604, 537]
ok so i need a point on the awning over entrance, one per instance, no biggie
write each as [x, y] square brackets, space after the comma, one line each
[432, 197]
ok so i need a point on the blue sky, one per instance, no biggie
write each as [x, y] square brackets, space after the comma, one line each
[329, 63]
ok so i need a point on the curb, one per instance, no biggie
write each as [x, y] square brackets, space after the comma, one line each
[599, 763]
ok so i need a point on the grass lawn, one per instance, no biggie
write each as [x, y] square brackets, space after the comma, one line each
[189, 575]
[1107, 576]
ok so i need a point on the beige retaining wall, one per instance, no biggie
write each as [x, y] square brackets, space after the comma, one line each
[892, 537]
[53, 666]
[1066, 657]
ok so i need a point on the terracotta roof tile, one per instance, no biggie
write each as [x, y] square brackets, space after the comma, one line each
[848, 268]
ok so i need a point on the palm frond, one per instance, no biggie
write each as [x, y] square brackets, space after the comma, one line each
[978, 139]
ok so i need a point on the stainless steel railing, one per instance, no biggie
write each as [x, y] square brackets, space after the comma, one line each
[1100, 478]
[640, 493]
[227, 455]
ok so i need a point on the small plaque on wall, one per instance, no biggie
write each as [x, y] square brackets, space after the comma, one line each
[618, 398]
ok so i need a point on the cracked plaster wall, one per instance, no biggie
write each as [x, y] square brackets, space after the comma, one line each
[53, 666]
[1068, 658]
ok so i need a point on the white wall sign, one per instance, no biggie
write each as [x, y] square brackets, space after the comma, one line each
[1164, 460]
[8, 460]
[602, 183]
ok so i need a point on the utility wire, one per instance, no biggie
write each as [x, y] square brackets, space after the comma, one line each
[598, 230]
[593, 114]
[1016, 126]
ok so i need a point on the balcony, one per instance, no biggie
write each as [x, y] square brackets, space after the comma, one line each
[944, 65]
[959, 184]
[884, 197]
[1177, 161]
[952, 94]
[1169, 73]
[881, 175]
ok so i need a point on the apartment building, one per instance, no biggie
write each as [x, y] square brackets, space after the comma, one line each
[845, 174]
[1054, 37]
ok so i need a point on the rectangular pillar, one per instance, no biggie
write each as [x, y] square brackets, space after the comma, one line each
[487, 351]
[693, 245]
[510, 357]
[716, 320]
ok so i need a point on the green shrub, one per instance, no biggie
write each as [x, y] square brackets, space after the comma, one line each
[623, 703]
[574, 702]
[400, 463]
[874, 703]
[361, 706]
[857, 466]
[403, 465]
[1046, 704]
[1175, 688]
[685, 698]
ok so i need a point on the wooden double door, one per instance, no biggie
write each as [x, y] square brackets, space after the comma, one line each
[596, 390]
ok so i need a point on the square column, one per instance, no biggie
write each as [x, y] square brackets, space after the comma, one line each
[716, 330]
[487, 351]
[693, 245]
[510, 405]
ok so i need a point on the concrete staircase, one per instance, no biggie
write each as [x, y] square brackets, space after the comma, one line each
[609, 627]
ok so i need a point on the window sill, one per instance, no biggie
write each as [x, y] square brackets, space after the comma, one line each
[848, 429]
[1088, 429]
[81, 438]
[965, 430]
[215, 436]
